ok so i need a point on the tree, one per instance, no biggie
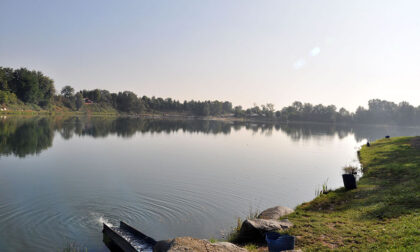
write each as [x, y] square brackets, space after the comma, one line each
[344, 115]
[6, 75]
[96, 95]
[46, 89]
[79, 100]
[237, 111]
[67, 92]
[227, 107]
[268, 110]
[205, 109]
[28, 86]
[7, 97]
[128, 102]
[298, 106]
[25, 85]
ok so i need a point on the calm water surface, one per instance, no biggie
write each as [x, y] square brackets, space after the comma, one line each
[60, 178]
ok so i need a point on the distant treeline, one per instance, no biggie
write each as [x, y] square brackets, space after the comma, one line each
[378, 112]
[32, 87]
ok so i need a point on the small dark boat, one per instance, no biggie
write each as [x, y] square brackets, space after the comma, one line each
[128, 239]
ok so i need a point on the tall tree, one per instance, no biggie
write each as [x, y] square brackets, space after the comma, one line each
[67, 92]
[25, 85]
[78, 100]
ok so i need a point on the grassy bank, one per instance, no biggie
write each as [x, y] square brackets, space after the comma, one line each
[382, 214]
[31, 109]
[105, 110]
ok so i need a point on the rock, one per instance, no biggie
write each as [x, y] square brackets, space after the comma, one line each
[192, 244]
[227, 246]
[275, 213]
[252, 230]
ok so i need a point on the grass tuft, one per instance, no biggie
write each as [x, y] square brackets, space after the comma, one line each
[323, 190]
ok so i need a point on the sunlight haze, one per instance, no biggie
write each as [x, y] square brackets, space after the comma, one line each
[329, 52]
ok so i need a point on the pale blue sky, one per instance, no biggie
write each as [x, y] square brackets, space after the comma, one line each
[340, 52]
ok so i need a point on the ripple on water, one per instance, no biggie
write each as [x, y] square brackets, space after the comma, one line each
[51, 217]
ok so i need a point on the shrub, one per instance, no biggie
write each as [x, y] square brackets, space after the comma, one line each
[7, 97]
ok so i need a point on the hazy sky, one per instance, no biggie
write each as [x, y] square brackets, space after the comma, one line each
[340, 52]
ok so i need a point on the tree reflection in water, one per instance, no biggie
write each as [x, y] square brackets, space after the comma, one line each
[28, 136]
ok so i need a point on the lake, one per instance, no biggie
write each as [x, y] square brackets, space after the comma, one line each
[61, 177]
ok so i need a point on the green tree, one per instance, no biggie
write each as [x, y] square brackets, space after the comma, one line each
[78, 100]
[128, 102]
[46, 88]
[268, 110]
[238, 111]
[25, 85]
[227, 107]
[67, 92]
[96, 95]
[4, 97]
[6, 75]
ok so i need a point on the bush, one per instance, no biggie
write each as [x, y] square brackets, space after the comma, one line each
[7, 97]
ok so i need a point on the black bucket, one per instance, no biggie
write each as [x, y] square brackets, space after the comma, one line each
[279, 242]
[349, 181]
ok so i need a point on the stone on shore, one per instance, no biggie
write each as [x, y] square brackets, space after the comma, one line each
[275, 213]
[185, 244]
[252, 230]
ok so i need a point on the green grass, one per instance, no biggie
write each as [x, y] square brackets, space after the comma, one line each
[32, 109]
[382, 214]
[251, 247]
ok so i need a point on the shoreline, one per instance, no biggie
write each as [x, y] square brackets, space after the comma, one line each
[382, 213]
[385, 207]
[163, 116]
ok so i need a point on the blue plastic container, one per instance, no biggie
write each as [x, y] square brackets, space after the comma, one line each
[278, 242]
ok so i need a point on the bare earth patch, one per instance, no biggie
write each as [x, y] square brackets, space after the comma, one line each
[415, 142]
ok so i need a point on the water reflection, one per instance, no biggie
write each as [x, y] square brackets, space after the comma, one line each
[171, 178]
[29, 136]
[25, 137]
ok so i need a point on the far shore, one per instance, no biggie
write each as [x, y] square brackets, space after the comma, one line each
[180, 116]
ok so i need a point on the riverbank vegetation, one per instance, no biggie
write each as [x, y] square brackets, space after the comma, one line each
[25, 91]
[382, 214]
